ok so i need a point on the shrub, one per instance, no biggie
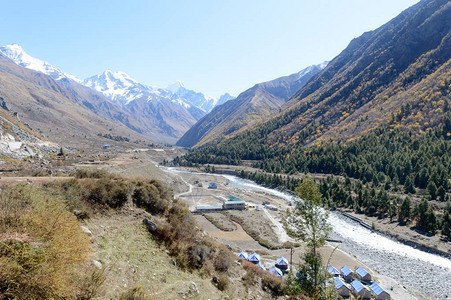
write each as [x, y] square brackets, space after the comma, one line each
[135, 293]
[42, 248]
[223, 282]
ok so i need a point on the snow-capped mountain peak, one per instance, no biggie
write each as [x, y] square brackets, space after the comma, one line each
[174, 87]
[117, 86]
[21, 58]
[311, 68]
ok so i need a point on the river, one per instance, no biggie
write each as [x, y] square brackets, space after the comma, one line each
[413, 268]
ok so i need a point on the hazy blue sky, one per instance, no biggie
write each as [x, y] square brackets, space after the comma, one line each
[213, 46]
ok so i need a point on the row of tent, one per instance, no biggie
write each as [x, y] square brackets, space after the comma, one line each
[281, 263]
[356, 286]
[348, 274]
[360, 291]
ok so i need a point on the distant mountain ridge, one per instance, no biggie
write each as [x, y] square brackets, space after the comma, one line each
[62, 110]
[252, 106]
[397, 77]
[169, 113]
[20, 57]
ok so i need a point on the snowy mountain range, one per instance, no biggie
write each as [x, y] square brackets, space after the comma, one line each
[20, 57]
[119, 87]
[163, 115]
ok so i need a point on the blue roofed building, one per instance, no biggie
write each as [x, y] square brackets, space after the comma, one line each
[212, 186]
[362, 274]
[360, 290]
[276, 271]
[379, 292]
[243, 255]
[282, 263]
[347, 273]
[341, 287]
[254, 258]
[333, 271]
[261, 266]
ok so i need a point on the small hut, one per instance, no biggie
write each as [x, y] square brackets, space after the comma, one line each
[341, 287]
[243, 255]
[362, 274]
[261, 266]
[380, 293]
[282, 263]
[254, 258]
[212, 186]
[276, 271]
[360, 291]
[347, 273]
[333, 271]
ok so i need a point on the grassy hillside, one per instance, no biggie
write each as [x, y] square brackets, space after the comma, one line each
[44, 252]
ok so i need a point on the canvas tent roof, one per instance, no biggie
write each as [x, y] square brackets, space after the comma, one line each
[254, 257]
[261, 266]
[282, 261]
[243, 255]
[377, 290]
[346, 271]
[338, 283]
[357, 286]
[276, 271]
[332, 270]
[361, 271]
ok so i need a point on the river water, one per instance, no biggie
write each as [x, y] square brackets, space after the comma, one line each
[413, 268]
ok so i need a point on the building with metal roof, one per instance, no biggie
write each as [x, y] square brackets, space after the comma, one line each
[341, 287]
[208, 208]
[362, 274]
[380, 293]
[333, 271]
[233, 198]
[276, 271]
[243, 255]
[360, 290]
[282, 263]
[347, 273]
[254, 258]
[234, 204]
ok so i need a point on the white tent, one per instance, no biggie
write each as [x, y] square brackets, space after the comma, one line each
[243, 255]
[276, 271]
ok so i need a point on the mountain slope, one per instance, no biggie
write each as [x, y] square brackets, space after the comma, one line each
[250, 107]
[58, 109]
[161, 115]
[20, 57]
[397, 75]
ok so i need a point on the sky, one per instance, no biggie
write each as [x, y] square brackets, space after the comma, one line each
[212, 46]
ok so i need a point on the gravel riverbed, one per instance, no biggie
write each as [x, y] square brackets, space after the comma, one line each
[427, 273]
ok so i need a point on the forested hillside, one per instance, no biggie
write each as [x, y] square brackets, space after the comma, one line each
[252, 106]
[379, 113]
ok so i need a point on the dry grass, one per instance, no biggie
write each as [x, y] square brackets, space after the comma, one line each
[220, 221]
[42, 248]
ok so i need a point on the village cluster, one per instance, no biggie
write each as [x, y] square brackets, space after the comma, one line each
[279, 269]
[347, 281]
